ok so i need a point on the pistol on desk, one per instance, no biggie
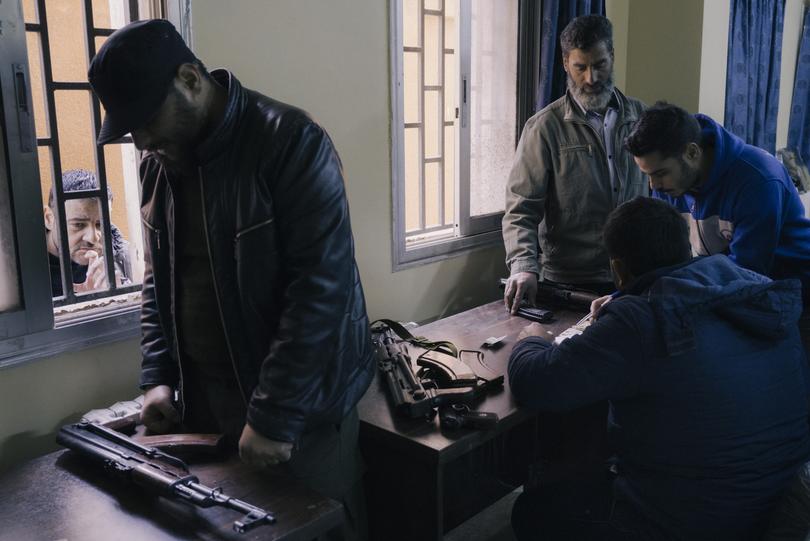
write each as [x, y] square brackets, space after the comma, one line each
[412, 398]
[154, 470]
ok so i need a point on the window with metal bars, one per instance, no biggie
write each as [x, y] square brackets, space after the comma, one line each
[71, 260]
[460, 82]
[85, 247]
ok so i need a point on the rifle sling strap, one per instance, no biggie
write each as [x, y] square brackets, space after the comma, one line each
[442, 346]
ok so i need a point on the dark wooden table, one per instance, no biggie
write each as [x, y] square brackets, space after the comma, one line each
[60, 497]
[423, 480]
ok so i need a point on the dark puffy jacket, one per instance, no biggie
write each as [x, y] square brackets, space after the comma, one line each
[282, 256]
[706, 379]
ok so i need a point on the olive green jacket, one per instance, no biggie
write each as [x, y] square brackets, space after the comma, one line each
[560, 187]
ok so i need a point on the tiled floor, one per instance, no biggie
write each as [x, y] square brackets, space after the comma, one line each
[491, 524]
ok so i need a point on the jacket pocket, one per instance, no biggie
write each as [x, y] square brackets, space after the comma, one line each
[258, 276]
[565, 149]
[255, 241]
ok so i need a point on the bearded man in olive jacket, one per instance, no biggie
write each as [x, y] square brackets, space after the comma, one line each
[570, 171]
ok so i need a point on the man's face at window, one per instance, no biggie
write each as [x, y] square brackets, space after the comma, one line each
[84, 230]
[590, 75]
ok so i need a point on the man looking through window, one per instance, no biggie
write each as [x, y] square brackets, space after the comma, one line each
[85, 238]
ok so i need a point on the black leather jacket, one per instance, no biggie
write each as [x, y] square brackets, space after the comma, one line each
[282, 256]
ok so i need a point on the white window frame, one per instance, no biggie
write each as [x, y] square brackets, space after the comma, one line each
[468, 232]
[31, 332]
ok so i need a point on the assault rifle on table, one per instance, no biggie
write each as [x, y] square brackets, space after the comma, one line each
[414, 399]
[154, 470]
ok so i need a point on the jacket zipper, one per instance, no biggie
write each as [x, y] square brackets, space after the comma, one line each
[180, 394]
[253, 227]
[216, 290]
[245, 231]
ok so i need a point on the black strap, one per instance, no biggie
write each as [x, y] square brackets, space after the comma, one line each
[442, 346]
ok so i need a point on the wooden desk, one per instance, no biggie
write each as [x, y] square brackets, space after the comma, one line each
[422, 480]
[61, 497]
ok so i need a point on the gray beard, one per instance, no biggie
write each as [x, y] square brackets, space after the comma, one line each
[592, 102]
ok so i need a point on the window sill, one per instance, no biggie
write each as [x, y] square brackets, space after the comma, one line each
[445, 249]
[73, 335]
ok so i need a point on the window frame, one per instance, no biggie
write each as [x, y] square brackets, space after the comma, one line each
[470, 233]
[32, 332]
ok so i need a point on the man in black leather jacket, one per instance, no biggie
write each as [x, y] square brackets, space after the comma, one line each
[252, 304]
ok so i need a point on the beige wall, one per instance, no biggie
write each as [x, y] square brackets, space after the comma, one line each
[618, 11]
[38, 397]
[663, 51]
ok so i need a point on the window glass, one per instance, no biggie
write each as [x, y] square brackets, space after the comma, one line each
[493, 103]
[68, 40]
[110, 13]
[37, 78]
[125, 216]
[74, 121]
[30, 11]
[430, 71]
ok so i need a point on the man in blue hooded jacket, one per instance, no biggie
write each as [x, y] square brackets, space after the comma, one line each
[738, 199]
[702, 364]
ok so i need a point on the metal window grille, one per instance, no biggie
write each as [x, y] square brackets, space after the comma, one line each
[436, 94]
[52, 142]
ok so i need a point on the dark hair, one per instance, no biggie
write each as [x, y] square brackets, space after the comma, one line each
[664, 128]
[585, 32]
[647, 234]
[76, 180]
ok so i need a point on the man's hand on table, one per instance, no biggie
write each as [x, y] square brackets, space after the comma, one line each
[532, 329]
[158, 413]
[518, 286]
[256, 450]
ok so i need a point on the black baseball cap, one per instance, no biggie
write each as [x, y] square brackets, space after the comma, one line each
[132, 72]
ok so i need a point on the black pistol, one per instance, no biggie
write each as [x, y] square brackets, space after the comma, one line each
[458, 416]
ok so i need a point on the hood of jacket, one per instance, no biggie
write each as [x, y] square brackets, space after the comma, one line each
[752, 302]
[727, 148]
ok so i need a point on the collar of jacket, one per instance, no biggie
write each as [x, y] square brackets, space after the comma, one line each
[573, 112]
[220, 138]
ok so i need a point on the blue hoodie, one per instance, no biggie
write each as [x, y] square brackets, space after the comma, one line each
[748, 209]
[707, 383]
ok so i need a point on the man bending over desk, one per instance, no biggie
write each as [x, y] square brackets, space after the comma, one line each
[704, 370]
